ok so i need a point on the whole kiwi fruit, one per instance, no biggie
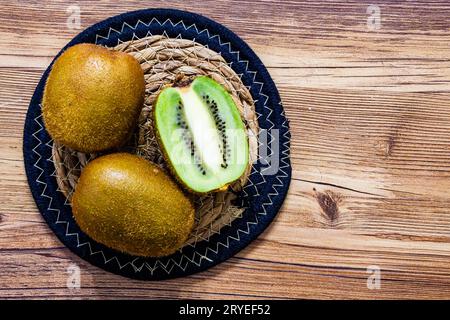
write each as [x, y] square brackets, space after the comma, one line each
[93, 97]
[129, 204]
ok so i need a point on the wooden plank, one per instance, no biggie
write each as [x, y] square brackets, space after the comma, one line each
[370, 121]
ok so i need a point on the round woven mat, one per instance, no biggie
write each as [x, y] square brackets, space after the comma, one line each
[164, 60]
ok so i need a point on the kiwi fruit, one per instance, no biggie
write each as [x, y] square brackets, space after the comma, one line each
[93, 97]
[203, 138]
[129, 204]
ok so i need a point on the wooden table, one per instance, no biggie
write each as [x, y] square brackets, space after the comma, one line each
[369, 109]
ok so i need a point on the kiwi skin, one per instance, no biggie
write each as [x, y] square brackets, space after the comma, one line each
[129, 204]
[93, 97]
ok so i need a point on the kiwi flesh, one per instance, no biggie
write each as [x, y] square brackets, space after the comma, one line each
[129, 204]
[93, 97]
[200, 130]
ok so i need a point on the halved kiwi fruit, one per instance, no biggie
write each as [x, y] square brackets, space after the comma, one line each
[201, 133]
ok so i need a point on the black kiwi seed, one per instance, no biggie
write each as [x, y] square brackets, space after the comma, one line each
[187, 138]
[221, 126]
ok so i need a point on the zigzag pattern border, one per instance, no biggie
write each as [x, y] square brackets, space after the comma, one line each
[285, 152]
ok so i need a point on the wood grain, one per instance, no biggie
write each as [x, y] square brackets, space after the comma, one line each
[370, 120]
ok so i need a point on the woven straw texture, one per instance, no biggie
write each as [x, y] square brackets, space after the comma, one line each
[164, 60]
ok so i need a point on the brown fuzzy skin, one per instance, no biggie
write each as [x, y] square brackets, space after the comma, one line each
[131, 205]
[93, 97]
[180, 81]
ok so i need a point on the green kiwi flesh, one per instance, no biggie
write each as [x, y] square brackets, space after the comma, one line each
[202, 135]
